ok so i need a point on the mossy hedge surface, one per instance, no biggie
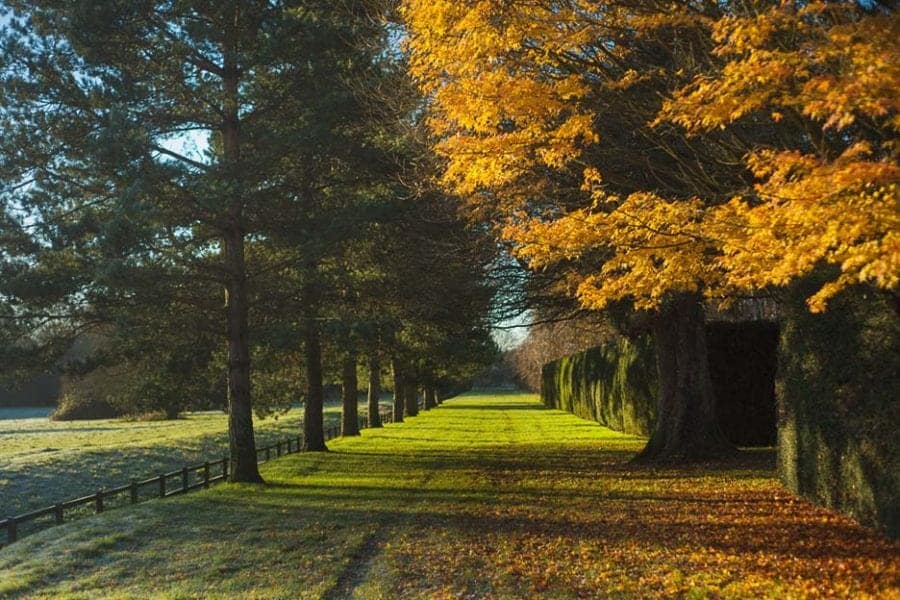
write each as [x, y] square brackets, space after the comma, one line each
[615, 384]
[839, 405]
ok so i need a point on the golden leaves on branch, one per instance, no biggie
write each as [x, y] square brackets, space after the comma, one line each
[840, 69]
[810, 88]
[660, 247]
[844, 212]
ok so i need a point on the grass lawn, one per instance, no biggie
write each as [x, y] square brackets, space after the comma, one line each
[484, 497]
[44, 461]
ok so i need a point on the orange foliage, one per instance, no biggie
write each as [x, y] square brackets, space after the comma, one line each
[806, 92]
[837, 70]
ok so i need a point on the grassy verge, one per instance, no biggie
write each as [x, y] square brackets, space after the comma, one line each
[43, 461]
[484, 497]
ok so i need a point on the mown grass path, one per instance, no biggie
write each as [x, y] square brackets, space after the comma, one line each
[484, 497]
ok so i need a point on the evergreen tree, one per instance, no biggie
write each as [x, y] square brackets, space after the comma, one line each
[106, 178]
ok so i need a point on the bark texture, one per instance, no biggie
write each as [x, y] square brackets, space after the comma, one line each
[242, 444]
[374, 408]
[397, 372]
[349, 397]
[686, 428]
[430, 397]
[241, 441]
[411, 397]
[313, 426]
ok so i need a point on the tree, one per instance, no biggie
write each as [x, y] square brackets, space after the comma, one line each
[131, 86]
[829, 195]
[553, 118]
[374, 391]
[541, 111]
[349, 396]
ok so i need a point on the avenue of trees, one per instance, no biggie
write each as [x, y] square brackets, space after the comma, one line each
[228, 197]
[249, 198]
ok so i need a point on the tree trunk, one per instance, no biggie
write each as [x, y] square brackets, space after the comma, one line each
[374, 390]
[430, 397]
[398, 390]
[686, 428]
[350, 397]
[313, 425]
[411, 397]
[241, 441]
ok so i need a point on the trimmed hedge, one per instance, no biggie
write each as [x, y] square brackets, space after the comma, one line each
[615, 384]
[839, 405]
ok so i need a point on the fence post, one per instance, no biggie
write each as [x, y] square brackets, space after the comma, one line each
[58, 514]
[12, 532]
[299, 443]
[268, 448]
[206, 474]
[278, 449]
[162, 486]
[98, 501]
[184, 479]
[225, 468]
[134, 491]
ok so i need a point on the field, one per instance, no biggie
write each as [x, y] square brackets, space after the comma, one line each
[43, 461]
[483, 497]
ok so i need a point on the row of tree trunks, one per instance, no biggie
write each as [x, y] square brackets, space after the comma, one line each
[405, 392]
[686, 427]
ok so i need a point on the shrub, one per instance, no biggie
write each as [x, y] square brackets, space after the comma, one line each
[839, 404]
[615, 384]
[86, 398]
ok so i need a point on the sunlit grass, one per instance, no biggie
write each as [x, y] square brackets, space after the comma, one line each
[484, 497]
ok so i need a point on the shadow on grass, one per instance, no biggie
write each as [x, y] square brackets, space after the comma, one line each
[324, 519]
[668, 521]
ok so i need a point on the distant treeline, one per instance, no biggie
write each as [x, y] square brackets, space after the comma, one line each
[40, 391]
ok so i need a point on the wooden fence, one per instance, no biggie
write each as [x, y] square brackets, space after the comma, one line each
[164, 485]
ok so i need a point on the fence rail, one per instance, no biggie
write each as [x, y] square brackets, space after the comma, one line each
[187, 479]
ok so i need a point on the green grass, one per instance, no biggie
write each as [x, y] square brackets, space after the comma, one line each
[44, 461]
[484, 497]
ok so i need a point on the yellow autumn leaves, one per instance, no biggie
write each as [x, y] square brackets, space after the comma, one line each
[808, 92]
